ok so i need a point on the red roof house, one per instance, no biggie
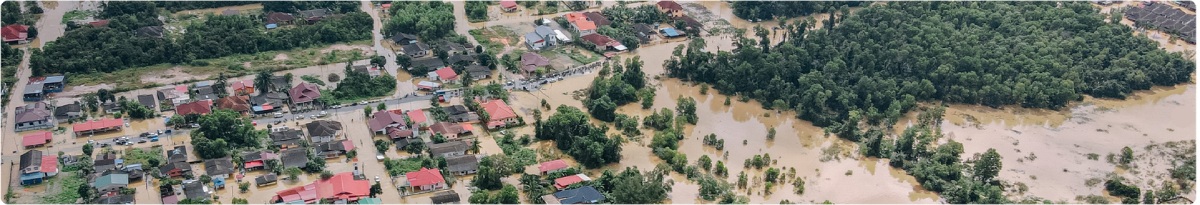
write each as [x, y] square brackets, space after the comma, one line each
[381, 120]
[564, 182]
[15, 33]
[244, 87]
[552, 166]
[37, 139]
[97, 126]
[304, 93]
[444, 74]
[499, 113]
[670, 7]
[418, 117]
[341, 186]
[50, 165]
[425, 179]
[238, 103]
[202, 107]
[386, 6]
[508, 5]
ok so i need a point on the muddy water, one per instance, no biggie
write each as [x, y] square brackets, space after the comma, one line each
[1098, 126]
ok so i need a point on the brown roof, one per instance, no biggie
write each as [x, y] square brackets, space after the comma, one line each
[530, 61]
[670, 5]
[198, 107]
[446, 128]
[277, 17]
[596, 17]
[304, 92]
[382, 119]
[239, 103]
[599, 40]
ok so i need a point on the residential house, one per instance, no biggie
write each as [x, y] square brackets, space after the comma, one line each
[445, 75]
[343, 187]
[36, 139]
[367, 69]
[335, 148]
[35, 167]
[54, 84]
[294, 158]
[236, 103]
[175, 169]
[266, 179]
[243, 87]
[399, 134]
[500, 114]
[478, 72]
[257, 159]
[462, 165]
[404, 39]
[692, 24]
[508, 5]
[449, 149]
[322, 131]
[534, 41]
[404, 142]
[219, 169]
[173, 96]
[268, 102]
[111, 183]
[564, 182]
[644, 32]
[177, 154]
[92, 127]
[580, 23]
[34, 91]
[15, 34]
[418, 118]
[449, 130]
[597, 18]
[552, 166]
[116, 199]
[135, 171]
[385, 119]
[460, 113]
[195, 190]
[445, 197]
[204, 93]
[304, 96]
[286, 138]
[531, 62]
[147, 100]
[603, 42]
[581, 195]
[312, 16]
[276, 19]
[671, 8]
[426, 63]
[541, 37]
[453, 48]
[110, 107]
[425, 179]
[415, 50]
[68, 112]
[34, 116]
[149, 31]
[462, 59]
[672, 33]
[201, 107]
[107, 162]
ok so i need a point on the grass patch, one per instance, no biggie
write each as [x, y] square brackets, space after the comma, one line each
[312, 79]
[67, 186]
[485, 36]
[397, 167]
[578, 55]
[231, 66]
[76, 15]
[142, 155]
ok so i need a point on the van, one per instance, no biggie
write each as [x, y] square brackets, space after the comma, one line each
[278, 115]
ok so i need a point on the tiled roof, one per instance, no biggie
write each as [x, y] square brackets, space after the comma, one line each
[96, 125]
[425, 176]
[552, 165]
[201, 107]
[340, 186]
[498, 110]
[382, 119]
[304, 92]
[37, 138]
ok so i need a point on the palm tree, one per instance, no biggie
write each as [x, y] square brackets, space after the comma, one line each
[262, 81]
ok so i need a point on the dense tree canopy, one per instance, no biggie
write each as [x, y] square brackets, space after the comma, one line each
[359, 85]
[877, 63]
[575, 135]
[107, 49]
[786, 9]
[174, 6]
[224, 129]
[294, 6]
[609, 92]
[431, 20]
[634, 187]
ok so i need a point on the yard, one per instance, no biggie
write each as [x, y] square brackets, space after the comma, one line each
[495, 38]
[565, 57]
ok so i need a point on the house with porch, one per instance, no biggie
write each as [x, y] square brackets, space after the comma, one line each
[286, 138]
[462, 165]
[33, 116]
[255, 160]
[322, 131]
[531, 62]
[424, 180]
[304, 96]
[219, 169]
[334, 149]
[499, 114]
[449, 149]
[382, 120]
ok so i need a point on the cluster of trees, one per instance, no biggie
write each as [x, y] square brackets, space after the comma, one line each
[428, 20]
[294, 6]
[359, 85]
[136, 110]
[686, 106]
[633, 187]
[623, 19]
[711, 140]
[576, 136]
[14, 15]
[222, 131]
[477, 11]
[875, 65]
[9, 70]
[609, 92]
[660, 120]
[107, 49]
[489, 176]
[1129, 194]
[506, 195]
[758, 10]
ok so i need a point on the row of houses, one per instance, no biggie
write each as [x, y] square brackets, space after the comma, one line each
[1165, 17]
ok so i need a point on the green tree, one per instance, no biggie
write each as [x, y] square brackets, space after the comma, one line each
[507, 195]
[221, 130]
[988, 166]
[487, 177]
[381, 107]
[293, 173]
[1126, 156]
[367, 111]
[87, 149]
[704, 162]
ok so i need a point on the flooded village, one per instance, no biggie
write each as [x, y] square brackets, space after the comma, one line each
[449, 120]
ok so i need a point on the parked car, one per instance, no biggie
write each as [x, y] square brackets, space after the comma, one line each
[322, 114]
[278, 115]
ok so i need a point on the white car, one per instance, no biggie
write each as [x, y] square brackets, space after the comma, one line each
[278, 115]
[322, 114]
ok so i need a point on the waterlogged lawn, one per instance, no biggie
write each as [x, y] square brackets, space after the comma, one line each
[67, 184]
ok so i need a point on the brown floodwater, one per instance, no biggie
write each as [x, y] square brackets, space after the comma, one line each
[1051, 159]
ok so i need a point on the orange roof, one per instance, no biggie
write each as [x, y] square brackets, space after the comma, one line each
[446, 73]
[340, 186]
[575, 16]
[585, 25]
[95, 125]
[416, 116]
[552, 165]
[498, 110]
[425, 176]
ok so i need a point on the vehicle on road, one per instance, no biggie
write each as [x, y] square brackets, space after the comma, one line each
[322, 114]
[278, 115]
[379, 157]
